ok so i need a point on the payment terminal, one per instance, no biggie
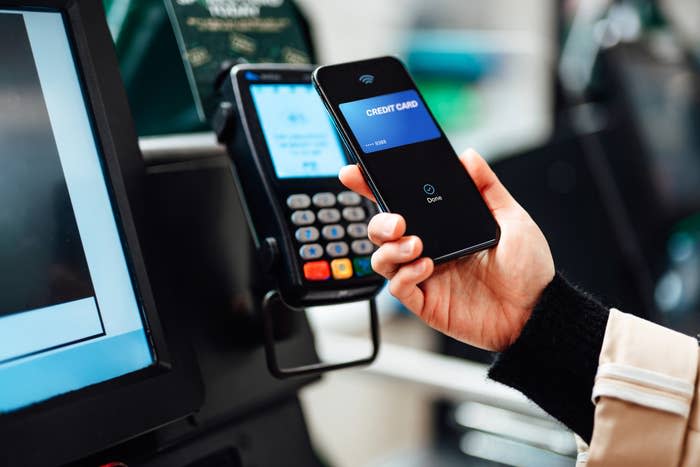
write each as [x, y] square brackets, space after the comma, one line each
[287, 155]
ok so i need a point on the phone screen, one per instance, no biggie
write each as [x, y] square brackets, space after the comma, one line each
[406, 158]
[389, 121]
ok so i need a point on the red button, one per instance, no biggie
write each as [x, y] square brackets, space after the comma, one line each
[317, 271]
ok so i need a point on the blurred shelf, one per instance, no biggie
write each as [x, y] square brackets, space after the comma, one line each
[441, 376]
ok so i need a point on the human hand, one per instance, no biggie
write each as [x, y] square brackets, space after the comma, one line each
[483, 299]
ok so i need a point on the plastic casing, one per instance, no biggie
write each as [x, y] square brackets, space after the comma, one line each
[264, 195]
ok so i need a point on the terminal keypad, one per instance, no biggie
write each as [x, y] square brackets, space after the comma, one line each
[331, 234]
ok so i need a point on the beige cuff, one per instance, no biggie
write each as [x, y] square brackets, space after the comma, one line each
[643, 393]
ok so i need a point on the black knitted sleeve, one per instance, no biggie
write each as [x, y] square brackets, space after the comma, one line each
[555, 358]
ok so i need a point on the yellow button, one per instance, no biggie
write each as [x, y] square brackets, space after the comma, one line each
[342, 268]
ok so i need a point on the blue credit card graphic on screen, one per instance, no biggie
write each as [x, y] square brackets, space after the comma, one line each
[389, 121]
[298, 131]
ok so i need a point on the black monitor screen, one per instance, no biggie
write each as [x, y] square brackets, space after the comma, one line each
[69, 314]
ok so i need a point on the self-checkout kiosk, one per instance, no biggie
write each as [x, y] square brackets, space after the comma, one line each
[154, 317]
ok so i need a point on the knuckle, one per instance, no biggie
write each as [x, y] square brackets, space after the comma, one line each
[395, 288]
[418, 245]
[374, 229]
[379, 262]
[373, 237]
[378, 219]
[376, 260]
[410, 248]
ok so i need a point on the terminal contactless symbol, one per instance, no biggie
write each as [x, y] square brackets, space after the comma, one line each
[366, 79]
[250, 76]
[429, 189]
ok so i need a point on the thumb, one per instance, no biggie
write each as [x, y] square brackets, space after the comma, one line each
[492, 190]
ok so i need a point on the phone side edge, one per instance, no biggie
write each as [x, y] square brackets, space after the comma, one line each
[346, 141]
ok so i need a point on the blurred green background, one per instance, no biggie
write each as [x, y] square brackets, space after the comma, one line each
[152, 68]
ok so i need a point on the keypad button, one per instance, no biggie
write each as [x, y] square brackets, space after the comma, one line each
[303, 217]
[324, 200]
[299, 201]
[362, 247]
[362, 266]
[312, 251]
[337, 249]
[349, 198]
[317, 271]
[355, 214]
[333, 232]
[342, 268]
[307, 234]
[357, 230]
[328, 216]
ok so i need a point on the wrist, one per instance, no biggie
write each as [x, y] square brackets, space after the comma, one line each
[527, 310]
[554, 359]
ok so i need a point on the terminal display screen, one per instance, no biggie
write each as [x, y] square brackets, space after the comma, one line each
[69, 313]
[300, 135]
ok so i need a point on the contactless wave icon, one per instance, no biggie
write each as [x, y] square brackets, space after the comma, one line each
[366, 79]
[250, 76]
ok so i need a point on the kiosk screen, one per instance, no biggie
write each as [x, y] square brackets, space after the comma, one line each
[69, 313]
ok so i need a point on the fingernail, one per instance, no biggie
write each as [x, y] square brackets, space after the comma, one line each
[390, 227]
[420, 267]
[407, 246]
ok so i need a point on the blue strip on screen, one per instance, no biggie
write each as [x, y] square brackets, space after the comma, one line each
[51, 327]
[72, 368]
[389, 121]
[69, 313]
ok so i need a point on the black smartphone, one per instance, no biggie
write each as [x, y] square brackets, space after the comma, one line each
[405, 156]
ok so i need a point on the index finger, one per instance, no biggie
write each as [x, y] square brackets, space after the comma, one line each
[351, 177]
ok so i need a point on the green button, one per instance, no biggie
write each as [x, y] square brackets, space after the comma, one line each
[362, 266]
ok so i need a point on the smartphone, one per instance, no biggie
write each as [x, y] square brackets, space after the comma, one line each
[405, 157]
